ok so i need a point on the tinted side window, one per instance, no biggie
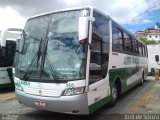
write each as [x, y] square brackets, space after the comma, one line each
[7, 54]
[2, 56]
[146, 52]
[134, 46]
[127, 43]
[140, 49]
[117, 40]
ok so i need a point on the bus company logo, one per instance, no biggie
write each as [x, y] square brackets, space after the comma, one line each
[40, 92]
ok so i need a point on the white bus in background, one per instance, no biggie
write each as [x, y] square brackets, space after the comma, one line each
[7, 51]
[76, 61]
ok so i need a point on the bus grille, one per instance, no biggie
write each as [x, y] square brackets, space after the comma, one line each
[43, 92]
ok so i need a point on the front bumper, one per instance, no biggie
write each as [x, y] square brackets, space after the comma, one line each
[76, 104]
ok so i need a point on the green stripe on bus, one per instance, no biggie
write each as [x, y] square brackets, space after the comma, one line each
[123, 74]
[95, 106]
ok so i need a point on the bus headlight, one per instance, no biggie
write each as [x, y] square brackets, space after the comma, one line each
[18, 86]
[73, 91]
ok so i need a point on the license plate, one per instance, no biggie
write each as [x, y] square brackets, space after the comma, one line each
[40, 103]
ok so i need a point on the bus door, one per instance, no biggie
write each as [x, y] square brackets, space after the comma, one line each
[98, 84]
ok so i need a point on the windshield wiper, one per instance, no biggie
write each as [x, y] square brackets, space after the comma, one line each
[39, 52]
[52, 69]
[37, 55]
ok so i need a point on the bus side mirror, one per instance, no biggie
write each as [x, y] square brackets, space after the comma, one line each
[157, 58]
[20, 43]
[83, 28]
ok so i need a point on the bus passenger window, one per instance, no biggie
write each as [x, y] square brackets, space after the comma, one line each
[10, 51]
[2, 56]
[117, 40]
[134, 46]
[146, 52]
[127, 43]
[7, 54]
[140, 49]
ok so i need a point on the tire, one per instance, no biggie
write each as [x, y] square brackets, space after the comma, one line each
[114, 95]
[142, 80]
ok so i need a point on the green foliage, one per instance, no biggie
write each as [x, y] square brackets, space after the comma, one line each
[148, 42]
[143, 39]
[158, 24]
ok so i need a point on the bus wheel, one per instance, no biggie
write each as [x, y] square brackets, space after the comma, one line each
[142, 80]
[114, 95]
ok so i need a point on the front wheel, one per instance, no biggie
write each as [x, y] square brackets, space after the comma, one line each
[114, 95]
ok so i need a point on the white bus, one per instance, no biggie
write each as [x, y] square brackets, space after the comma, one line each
[75, 61]
[7, 51]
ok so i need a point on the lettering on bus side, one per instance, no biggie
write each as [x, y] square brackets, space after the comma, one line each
[127, 61]
[135, 61]
[23, 82]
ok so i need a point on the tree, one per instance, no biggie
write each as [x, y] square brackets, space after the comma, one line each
[147, 42]
[143, 39]
[158, 24]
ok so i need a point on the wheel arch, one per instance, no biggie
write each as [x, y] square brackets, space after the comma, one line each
[118, 82]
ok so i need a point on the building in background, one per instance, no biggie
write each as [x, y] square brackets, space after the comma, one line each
[152, 51]
[152, 33]
[140, 34]
[153, 36]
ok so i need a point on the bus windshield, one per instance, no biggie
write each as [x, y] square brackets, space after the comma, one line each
[51, 49]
